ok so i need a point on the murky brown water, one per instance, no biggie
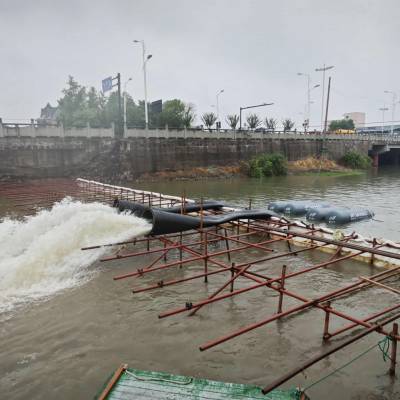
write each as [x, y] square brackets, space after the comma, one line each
[67, 346]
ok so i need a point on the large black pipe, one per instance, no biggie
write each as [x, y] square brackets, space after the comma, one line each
[165, 222]
[123, 205]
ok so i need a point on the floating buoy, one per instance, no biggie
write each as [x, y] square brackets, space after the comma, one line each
[318, 214]
[346, 215]
[277, 206]
[339, 215]
[301, 207]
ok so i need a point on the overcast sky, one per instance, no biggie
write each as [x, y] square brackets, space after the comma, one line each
[252, 49]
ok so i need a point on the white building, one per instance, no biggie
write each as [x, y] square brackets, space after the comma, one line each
[357, 117]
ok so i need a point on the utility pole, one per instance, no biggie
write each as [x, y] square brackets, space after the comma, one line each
[326, 117]
[323, 70]
[107, 84]
[327, 105]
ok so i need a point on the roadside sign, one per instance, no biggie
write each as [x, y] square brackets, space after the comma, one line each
[106, 84]
[156, 106]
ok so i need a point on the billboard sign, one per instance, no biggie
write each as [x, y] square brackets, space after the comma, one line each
[156, 106]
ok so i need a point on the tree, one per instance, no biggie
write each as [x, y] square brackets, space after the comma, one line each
[288, 124]
[189, 115]
[135, 113]
[96, 108]
[232, 120]
[79, 106]
[72, 106]
[253, 121]
[346, 123]
[172, 114]
[209, 119]
[176, 114]
[270, 124]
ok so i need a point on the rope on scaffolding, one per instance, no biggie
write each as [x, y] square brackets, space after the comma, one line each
[383, 346]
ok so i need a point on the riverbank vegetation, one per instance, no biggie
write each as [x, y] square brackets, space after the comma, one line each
[274, 164]
[355, 160]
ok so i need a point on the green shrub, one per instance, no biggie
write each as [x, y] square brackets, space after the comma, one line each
[268, 165]
[355, 160]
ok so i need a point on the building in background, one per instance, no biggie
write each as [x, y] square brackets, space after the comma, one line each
[48, 115]
[357, 117]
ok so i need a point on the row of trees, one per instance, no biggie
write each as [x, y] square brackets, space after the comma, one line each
[80, 106]
[253, 122]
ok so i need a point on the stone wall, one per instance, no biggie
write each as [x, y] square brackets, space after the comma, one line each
[24, 156]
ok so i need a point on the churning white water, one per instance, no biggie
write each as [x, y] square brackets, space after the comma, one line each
[41, 254]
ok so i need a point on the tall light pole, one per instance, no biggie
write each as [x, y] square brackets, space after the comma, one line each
[144, 59]
[383, 109]
[125, 84]
[394, 99]
[221, 91]
[323, 69]
[307, 114]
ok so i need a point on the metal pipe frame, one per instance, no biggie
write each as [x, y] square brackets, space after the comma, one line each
[238, 237]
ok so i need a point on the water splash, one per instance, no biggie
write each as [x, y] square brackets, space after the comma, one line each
[41, 255]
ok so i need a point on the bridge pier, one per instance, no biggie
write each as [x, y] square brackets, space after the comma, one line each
[375, 160]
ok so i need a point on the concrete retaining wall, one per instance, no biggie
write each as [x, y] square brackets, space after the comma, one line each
[44, 156]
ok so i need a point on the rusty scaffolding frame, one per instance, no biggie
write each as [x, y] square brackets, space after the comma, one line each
[199, 247]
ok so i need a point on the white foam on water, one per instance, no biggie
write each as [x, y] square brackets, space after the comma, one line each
[40, 255]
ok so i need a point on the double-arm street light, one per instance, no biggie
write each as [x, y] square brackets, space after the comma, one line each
[394, 99]
[323, 69]
[309, 89]
[144, 59]
[245, 108]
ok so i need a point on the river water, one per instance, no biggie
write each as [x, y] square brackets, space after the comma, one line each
[65, 325]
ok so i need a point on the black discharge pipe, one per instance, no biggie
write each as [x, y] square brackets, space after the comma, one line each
[124, 205]
[165, 222]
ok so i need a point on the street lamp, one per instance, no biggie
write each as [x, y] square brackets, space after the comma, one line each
[245, 108]
[125, 84]
[394, 98]
[307, 113]
[144, 59]
[323, 69]
[383, 109]
[221, 91]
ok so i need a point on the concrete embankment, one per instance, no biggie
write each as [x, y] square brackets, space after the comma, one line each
[150, 152]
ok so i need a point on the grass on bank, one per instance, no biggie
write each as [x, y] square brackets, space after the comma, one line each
[275, 164]
[355, 160]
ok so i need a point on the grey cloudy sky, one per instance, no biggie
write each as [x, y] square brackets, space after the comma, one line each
[252, 49]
